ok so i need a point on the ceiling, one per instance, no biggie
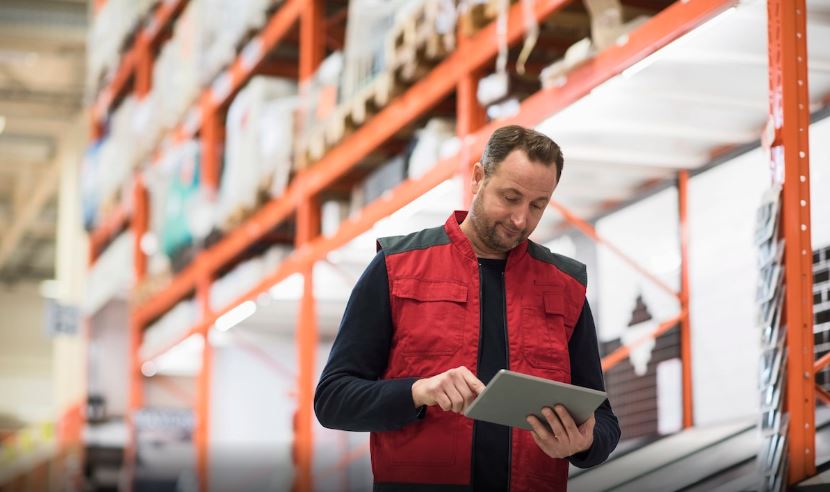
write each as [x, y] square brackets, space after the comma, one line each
[705, 93]
[42, 71]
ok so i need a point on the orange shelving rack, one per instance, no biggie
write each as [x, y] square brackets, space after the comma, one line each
[457, 74]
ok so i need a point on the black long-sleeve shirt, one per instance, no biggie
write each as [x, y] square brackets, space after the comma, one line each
[352, 396]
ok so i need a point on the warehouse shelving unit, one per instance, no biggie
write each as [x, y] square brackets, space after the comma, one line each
[458, 74]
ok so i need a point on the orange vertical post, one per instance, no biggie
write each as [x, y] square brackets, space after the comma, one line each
[470, 117]
[312, 52]
[201, 410]
[685, 320]
[143, 69]
[787, 135]
[212, 139]
[312, 38]
[136, 400]
[308, 226]
[140, 223]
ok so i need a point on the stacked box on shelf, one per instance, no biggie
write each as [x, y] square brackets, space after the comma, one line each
[423, 35]
[176, 72]
[117, 158]
[227, 23]
[433, 142]
[246, 276]
[608, 22]
[186, 216]
[389, 44]
[318, 102]
[108, 279]
[90, 188]
[367, 31]
[258, 148]
[364, 84]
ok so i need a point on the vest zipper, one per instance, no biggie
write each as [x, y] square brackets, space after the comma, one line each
[507, 361]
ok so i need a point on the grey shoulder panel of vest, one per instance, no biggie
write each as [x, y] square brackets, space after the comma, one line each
[570, 266]
[434, 236]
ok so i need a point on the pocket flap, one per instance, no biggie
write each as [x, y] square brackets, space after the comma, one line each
[429, 290]
[554, 303]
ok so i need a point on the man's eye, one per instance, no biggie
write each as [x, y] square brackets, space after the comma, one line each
[511, 199]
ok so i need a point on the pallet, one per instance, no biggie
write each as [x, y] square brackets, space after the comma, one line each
[479, 15]
[413, 49]
[415, 45]
[346, 118]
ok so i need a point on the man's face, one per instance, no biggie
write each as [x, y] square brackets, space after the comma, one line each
[508, 205]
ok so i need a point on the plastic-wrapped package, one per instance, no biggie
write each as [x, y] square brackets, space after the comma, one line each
[364, 53]
[332, 214]
[320, 98]
[183, 187]
[111, 28]
[107, 278]
[175, 75]
[384, 178]
[90, 189]
[258, 146]
[226, 23]
[428, 147]
[117, 154]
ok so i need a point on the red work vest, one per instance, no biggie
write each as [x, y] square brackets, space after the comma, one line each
[434, 288]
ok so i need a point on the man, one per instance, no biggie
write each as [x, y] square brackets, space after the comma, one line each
[437, 313]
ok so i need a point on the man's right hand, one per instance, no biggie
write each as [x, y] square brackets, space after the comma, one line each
[453, 390]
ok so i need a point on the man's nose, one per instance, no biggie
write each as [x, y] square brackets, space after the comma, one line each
[518, 220]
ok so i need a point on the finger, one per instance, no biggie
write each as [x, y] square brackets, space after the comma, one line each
[587, 427]
[466, 393]
[443, 401]
[555, 424]
[539, 429]
[567, 422]
[475, 384]
[455, 396]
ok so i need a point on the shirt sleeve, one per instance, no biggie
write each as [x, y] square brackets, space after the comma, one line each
[351, 395]
[586, 371]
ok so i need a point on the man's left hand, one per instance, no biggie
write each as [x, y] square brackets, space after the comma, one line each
[562, 437]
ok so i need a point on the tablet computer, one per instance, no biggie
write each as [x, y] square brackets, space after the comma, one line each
[511, 397]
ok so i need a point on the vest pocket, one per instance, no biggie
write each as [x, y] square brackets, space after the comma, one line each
[432, 441]
[430, 315]
[544, 342]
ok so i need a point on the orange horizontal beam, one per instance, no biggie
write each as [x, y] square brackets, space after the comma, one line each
[118, 219]
[162, 17]
[623, 352]
[592, 233]
[170, 345]
[346, 155]
[822, 394]
[421, 97]
[252, 55]
[663, 28]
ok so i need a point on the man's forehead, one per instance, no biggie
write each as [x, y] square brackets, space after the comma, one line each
[537, 183]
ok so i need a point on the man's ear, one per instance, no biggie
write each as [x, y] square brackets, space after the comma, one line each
[477, 178]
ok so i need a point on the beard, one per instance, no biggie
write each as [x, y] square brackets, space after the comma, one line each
[488, 234]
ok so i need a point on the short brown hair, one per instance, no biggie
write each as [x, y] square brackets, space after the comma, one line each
[537, 146]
